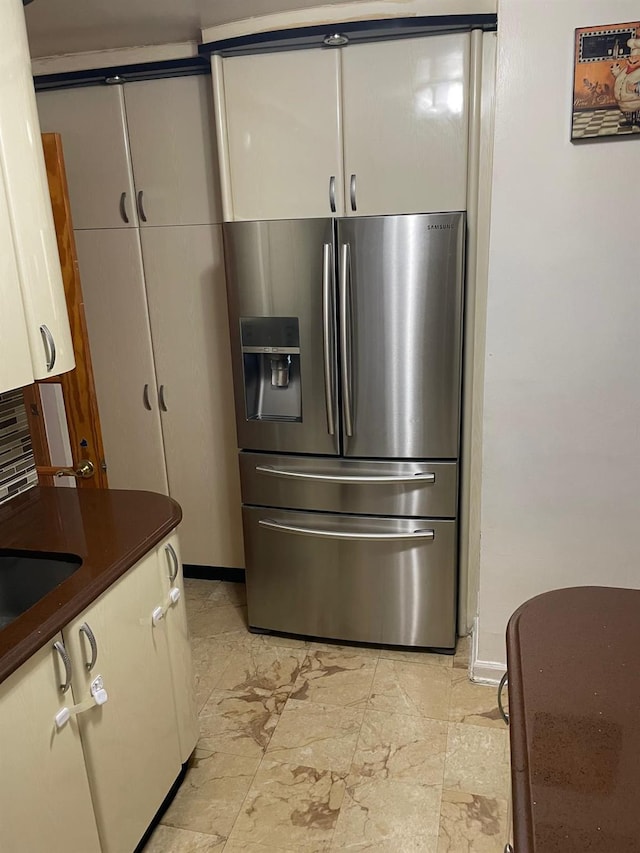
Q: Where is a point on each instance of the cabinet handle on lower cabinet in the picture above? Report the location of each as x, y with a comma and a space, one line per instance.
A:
86, 630
49, 347
172, 559
508, 848
504, 681
66, 660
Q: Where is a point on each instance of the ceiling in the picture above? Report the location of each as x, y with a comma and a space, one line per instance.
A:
71, 26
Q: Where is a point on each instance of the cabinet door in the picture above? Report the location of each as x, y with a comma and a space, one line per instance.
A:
15, 358
45, 803
184, 270
25, 183
179, 647
405, 125
112, 276
130, 743
283, 126
93, 127
173, 151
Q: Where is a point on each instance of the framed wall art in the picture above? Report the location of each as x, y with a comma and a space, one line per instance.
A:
606, 82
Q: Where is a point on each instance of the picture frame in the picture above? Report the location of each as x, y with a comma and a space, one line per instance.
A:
606, 82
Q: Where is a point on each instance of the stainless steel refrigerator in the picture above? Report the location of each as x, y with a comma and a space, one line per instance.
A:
346, 340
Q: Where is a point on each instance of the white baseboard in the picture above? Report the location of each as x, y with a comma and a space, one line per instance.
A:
483, 671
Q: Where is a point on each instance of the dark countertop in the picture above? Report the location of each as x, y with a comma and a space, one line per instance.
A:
574, 702
109, 529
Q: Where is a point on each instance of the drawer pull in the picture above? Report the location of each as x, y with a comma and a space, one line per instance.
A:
351, 535
337, 478
504, 681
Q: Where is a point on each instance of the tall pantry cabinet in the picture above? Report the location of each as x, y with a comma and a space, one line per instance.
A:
141, 167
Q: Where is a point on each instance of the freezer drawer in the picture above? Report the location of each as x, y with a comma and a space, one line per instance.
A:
418, 489
374, 580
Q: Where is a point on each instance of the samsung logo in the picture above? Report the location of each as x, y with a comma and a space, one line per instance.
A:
444, 227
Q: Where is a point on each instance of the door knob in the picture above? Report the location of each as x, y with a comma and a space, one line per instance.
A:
83, 471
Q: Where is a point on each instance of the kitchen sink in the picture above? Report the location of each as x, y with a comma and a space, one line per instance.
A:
27, 576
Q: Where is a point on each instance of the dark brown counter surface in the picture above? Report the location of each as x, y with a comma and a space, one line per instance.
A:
574, 702
109, 529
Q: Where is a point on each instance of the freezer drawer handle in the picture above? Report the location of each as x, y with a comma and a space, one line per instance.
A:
352, 536
336, 478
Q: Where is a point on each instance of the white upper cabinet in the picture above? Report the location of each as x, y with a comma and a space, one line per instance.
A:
29, 206
93, 127
283, 129
15, 357
388, 120
173, 151
137, 154
405, 125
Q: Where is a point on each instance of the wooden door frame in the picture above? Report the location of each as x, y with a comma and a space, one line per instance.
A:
78, 386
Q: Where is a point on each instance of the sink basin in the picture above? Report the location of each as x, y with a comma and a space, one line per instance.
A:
27, 576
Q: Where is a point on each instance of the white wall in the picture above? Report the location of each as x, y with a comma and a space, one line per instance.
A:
561, 458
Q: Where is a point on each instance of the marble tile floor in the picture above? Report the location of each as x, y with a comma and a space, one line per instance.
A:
313, 748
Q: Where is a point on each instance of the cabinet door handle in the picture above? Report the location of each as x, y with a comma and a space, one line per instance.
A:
172, 559
352, 192
66, 660
145, 398
332, 193
504, 681
49, 347
161, 400
143, 215
123, 208
86, 630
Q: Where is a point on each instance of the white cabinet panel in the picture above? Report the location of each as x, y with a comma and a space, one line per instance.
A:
117, 320
405, 124
45, 803
93, 127
25, 183
184, 270
15, 357
130, 743
170, 564
283, 126
173, 150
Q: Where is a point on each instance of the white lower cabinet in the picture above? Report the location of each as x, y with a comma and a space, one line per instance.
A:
130, 743
179, 645
95, 782
45, 802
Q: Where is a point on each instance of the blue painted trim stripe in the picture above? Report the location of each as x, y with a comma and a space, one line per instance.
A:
358, 31
139, 71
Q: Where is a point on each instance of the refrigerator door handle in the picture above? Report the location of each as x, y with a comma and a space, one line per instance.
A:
334, 478
328, 336
345, 337
352, 536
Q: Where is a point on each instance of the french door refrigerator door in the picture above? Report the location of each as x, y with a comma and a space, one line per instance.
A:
400, 307
360, 578
281, 290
